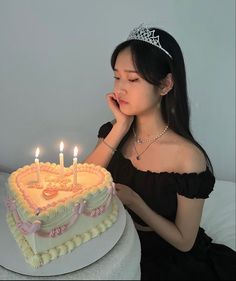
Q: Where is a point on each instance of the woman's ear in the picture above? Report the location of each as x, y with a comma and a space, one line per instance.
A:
167, 84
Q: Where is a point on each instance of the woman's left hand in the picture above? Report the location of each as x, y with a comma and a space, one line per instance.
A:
127, 196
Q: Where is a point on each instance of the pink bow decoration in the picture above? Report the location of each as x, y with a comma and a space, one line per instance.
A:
29, 228
10, 204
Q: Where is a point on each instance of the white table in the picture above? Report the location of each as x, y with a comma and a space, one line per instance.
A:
122, 262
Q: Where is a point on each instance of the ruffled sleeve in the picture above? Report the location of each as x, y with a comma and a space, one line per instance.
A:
193, 185
105, 130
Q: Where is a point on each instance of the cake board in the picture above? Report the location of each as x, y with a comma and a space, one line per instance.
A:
77, 259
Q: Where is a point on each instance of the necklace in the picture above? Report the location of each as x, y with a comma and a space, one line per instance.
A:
140, 141
151, 141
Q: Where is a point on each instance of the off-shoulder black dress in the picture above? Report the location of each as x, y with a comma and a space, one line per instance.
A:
159, 259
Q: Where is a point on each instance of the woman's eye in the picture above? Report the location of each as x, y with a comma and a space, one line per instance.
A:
130, 80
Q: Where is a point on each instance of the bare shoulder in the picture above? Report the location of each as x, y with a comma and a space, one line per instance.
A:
194, 160
191, 158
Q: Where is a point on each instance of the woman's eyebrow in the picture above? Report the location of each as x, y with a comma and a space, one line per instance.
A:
127, 70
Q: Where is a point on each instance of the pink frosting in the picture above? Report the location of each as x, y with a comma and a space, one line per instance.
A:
24, 227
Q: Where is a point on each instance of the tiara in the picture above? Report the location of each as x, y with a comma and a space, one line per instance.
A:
144, 34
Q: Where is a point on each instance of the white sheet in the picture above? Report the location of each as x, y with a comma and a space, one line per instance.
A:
218, 217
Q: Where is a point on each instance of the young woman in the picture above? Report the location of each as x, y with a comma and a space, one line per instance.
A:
162, 174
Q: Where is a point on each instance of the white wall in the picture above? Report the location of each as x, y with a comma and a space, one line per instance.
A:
55, 71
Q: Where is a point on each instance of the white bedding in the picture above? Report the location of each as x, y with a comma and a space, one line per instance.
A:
218, 218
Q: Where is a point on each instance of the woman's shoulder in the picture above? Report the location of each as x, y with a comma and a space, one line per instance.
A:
105, 128
193, 159
190, 158
194, 178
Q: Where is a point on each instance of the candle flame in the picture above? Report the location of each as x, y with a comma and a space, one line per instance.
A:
37, 152
75, 151
61, 146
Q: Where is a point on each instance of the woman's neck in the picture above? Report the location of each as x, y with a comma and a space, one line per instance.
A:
149, 125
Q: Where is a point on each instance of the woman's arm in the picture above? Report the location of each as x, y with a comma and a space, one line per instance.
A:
105, 148
182, 233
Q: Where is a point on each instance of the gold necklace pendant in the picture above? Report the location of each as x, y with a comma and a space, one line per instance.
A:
138, 155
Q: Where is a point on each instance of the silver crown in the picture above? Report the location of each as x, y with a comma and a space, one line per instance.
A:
144, 34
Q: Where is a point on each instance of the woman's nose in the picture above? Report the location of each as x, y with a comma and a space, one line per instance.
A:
120, 86
119, 92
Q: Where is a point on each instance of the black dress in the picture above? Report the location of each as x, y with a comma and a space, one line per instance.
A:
159, 259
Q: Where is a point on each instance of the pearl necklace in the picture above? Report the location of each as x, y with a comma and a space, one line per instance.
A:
140, 141
151, 141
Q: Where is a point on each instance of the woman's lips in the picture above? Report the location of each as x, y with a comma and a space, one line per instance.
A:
122, 101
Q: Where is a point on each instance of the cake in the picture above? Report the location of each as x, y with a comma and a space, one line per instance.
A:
51, 217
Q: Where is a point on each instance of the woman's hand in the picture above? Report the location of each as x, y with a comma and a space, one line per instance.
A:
123, 121
127, 196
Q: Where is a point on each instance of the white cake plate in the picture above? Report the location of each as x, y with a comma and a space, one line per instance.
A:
87, 253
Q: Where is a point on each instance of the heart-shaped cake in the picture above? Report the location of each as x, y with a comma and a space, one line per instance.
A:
51, 216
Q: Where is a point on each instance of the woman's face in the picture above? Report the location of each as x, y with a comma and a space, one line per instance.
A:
134, 94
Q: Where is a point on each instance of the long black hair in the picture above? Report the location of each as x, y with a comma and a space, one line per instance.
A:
153, 64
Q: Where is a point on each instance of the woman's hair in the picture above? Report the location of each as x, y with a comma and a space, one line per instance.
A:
153, 64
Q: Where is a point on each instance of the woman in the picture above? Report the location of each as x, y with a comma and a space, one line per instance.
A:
162, 174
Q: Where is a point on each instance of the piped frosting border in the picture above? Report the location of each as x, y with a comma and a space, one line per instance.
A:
30, 212
37, 260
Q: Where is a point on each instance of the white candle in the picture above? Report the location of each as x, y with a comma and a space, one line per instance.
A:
75, 166
37, 164
61, 159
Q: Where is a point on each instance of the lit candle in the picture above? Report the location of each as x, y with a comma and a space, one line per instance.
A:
61, 159
75, 166
37, 164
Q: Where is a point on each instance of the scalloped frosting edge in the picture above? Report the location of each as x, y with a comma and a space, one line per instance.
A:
40, 259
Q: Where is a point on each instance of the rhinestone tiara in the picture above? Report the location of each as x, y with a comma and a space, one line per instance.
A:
143, 33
